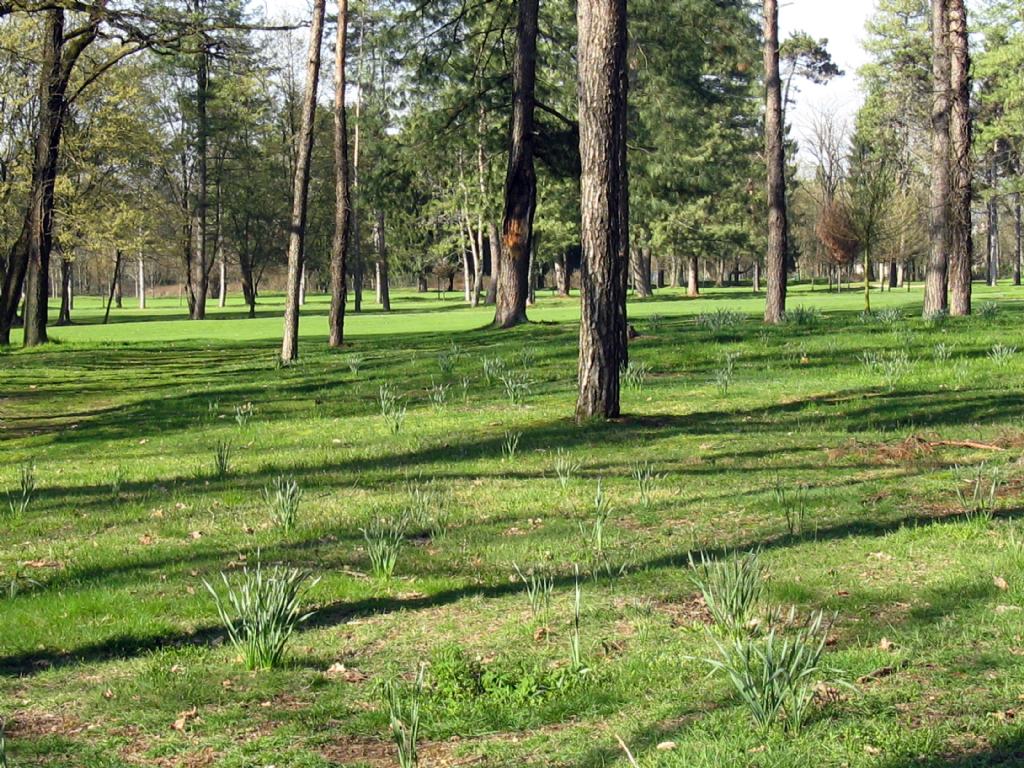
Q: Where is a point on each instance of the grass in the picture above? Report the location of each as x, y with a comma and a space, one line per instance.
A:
112, 653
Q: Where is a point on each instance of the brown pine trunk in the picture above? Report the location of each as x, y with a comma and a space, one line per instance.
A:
300, 191
562, 274
383, 286
604, 187
113, 284
13, 281
935, 293
495, 246
961, 242
64, 316
342, 205
693, 277
1017, 238
642, 272
521, 181
200, 277
993, 231
775, 154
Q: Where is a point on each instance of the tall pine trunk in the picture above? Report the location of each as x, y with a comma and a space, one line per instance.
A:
604, 199
140, 284
961, 242
342, 204
1016, 238
383, 283
64, 316
693, 276
775, 155
935, 294
521, 181
495, 247
199, 281
642, 272
300, 190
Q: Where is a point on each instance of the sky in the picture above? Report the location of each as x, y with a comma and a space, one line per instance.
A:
841, 21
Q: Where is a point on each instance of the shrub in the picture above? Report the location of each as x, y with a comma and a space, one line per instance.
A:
1000, 354
731, 588
392, 408
222, 458
354, 362
282, 498
805, 316
261, 611
719, 320
773, 674
510, 445
988, 310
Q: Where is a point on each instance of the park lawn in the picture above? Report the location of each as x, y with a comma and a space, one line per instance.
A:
109, 638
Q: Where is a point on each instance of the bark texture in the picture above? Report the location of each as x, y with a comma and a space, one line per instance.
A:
342, 190
521, 180
961, 242
935, 293
604, 186
300, 190
775, 155
383, 281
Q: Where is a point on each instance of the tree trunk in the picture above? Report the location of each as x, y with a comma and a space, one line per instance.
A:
604, 199
342, 191
140, 284
200, 277
64, 316
113, 284
13, 281
562, 274
894, 279
1016, 238
935, 294
642, 272
693, 277
521, 181
961, 242
118, 298
993, 233
478, 267
302, 284
495, 245
757, 275
300, 192
383, 286
775, 154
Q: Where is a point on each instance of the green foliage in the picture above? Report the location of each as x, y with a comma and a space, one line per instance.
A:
791, 504
646, 481
392, 408
731, 588
403, 707
977, 489
282, 498
539, 584
635, 375
261, 611
20, 500
566, 467
510, 445
222, 458
384, 537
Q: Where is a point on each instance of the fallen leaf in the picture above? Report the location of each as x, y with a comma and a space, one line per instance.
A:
349, 675
1000, 583
666, 746
872, 750
145, 539
886, 644
183, 719
108, 694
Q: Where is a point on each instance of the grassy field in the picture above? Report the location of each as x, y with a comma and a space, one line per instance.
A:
865, 431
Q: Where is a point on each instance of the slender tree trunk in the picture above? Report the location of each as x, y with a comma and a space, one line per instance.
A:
302, 285
693, 276
993, 233
13, 281
1016, 238
64, 316
297, 231
894, 279
961, 242
478, 267
383, 287
342, 192
113, 284
118, 299
936, 278
642, 272
562, 274
521, 181
775, 154
200, 278
140, 286
603, 79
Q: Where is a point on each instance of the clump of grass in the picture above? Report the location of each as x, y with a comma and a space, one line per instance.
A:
282, 498
774, 674
446, 364
517, 386
392, 408
403, 707
731, 587
889, 317
261, 611
354, 361
222, 458
791, 504
646, 481
593, 529
539, 585
1001, 354
961, 374
493, 368
116, 482
510, 445
438, 394
384, 537
566, 467
890, 366
20, 500
803, 316
527, 357
576, 663
726, 373
635, 375
244, 413
988, 310
654, 322
937, 319
942, 352
16, 581
719, 320
977, 489
465, 382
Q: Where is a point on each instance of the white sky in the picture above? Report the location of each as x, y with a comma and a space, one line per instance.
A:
841, 21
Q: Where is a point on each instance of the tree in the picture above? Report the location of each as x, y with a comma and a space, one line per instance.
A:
521, 180
775, 156
342, 205
603, 79
961, 243
300, 188
936, 298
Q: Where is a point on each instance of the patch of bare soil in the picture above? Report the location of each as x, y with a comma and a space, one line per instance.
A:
352, 750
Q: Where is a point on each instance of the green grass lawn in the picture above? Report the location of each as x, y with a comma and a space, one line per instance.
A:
111, 653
